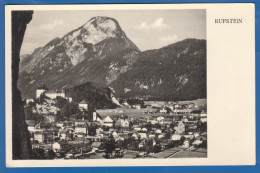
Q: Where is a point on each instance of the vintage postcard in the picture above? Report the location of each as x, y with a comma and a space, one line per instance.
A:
130, 85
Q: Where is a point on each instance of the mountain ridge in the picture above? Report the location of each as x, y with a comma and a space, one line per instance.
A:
100, 52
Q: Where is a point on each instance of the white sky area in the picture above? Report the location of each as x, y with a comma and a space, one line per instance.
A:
148, 29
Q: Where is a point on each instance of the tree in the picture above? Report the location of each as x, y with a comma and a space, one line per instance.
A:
110, 145
148, 126
157, 126
135, 102
149, 146
38, 153
131, 125
157, 148
168, 135
50, 154
92, 129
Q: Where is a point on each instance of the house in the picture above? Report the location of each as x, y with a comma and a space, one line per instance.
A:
29, 101
203, 114
176, 137
196, 142
135, 135
108, 121
203, 119
122, 123
160, 118
142, 134
119, 138
98, 118
163, 111
39, 136
137, 128
186, 143
30, 125
99, 130
182, 110
142, 143
160, 136
171, 107
55, 94
40, 90
59, 124
80, 122
167, 121
81, 129
144, 129
180, 129
151, 135
63, 134
158, 131
83, 105
97, 146
41, 125
69, 99
114, 134
60, 145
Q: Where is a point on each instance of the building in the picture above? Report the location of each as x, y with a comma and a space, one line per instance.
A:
31, 125
55, 94
40, 91
60, 124
135, 135
29, 101
160, 119
176, 137
163, 111
80, 122
51, 94
60, 145
63, 135
83, 105
97, 146
39, 136
186, 143
114, 134
142, 134
180, 129
94, 118
108, 122
69, 99
122, 123
81, 129
142, 144
138, 106
158, 131
182, 111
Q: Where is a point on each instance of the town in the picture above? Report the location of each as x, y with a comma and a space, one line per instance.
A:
63, 129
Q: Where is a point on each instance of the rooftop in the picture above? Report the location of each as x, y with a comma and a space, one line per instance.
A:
83, 102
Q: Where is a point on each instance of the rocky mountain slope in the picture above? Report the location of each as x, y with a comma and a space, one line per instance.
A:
84, 54
174, 72
100, 52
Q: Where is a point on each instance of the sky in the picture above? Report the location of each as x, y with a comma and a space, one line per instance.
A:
148, 29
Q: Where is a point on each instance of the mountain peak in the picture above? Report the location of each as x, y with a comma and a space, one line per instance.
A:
100, 28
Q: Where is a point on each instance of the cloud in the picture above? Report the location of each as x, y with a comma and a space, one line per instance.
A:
52, 25
28, 47
157, 24
169, 39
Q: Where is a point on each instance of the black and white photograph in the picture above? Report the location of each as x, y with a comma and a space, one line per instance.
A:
109, 84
